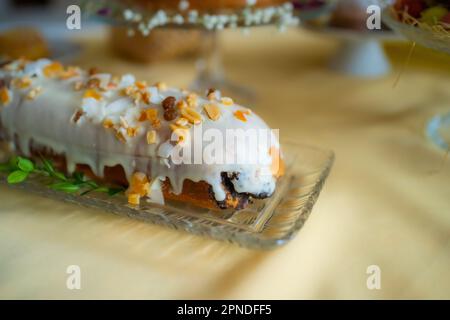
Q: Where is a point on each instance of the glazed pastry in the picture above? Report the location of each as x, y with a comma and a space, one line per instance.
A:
146, 15
350, 14
205, 5
124, 131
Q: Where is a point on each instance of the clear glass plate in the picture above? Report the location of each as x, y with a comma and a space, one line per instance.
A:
264, 224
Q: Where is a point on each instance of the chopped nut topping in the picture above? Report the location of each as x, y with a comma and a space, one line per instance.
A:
227, 101
277, 166
5, 96
78, 85
156, 123
76, 116
136, 96
128, 91
53, 69
193, 116
22, 83
139, 184
33, 93
181, 104
182, 134
120, 136
161, 86
192, 100
93, 83
134, 198
183, 123
123, 122
70, 72
211, 94
151, 136
146, 97
108, 124
91, 93
152, 114
141, 85
212, 111
111, 85
132, 131
148, 114
241, 114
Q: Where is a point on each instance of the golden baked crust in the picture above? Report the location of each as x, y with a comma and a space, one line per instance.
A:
196, 193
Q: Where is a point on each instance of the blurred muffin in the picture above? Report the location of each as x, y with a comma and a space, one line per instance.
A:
25, 42
350, 14
159, 45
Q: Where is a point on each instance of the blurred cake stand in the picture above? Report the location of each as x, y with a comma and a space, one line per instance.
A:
438, 127
360, 53
210, 69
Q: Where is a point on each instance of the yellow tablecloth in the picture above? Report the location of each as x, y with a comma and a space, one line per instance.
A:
386, 203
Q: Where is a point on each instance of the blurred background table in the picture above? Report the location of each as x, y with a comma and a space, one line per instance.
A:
385, 203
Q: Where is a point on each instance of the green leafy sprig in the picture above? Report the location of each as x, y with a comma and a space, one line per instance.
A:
20, 168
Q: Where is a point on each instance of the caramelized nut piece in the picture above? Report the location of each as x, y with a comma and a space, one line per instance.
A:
211, 94
239, 114
181, 134
91, 93
181, 104
192, 100
33, 93
120, 136
132, 131
212, 111
76, 116
22, 83
53, 69
123, 122
134, 198
78, 85
146, 97
139, 185
93, 83
182, 122
108, 124
151, 136
5, 96
227, 101
141, 85
70, 72
161, 86
193, 116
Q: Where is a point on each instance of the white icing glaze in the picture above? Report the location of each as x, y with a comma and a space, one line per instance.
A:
46, 120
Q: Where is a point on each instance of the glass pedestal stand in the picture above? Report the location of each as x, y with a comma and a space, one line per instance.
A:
211, 71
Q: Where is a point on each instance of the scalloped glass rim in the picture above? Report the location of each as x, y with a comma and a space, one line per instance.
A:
264, 224
422, 36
